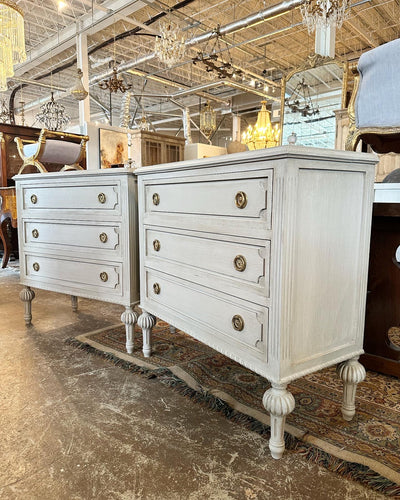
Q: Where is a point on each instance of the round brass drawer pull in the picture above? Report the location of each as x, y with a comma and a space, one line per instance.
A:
36, 266
240, 263
156, 245
104, 276
241, 199
238, 323
34, 199
103, 237
156, 199
102, 197
156, 288
35, 233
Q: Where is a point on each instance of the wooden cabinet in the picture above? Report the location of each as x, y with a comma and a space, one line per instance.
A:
382, 319
151, 148
10, 161
263, 256
78, 235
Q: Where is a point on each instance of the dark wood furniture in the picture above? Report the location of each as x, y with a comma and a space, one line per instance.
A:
8, 217
381, 344
10, 160
10, 163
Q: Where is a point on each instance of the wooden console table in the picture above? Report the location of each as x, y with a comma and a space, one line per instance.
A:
263, 256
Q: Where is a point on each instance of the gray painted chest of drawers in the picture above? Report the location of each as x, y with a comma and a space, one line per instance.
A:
263, 256
78, 235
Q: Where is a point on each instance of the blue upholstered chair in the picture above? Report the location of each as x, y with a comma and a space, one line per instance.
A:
374, 108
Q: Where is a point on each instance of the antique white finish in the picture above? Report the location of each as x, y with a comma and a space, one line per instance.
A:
78, 235
263, 256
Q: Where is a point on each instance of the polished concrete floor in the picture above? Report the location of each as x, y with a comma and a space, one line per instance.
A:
73, 426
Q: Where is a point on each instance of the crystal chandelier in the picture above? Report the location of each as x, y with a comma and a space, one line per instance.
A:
263, 134
208, 120
324, 13
144, 125
4, 113
12, 40
170, 46
209, 58
114, 83
52, 115
300, 100
78, 91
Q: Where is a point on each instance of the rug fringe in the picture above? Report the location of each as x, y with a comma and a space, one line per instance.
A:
349, 470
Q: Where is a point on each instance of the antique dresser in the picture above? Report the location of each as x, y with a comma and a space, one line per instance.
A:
263, 256
78, 235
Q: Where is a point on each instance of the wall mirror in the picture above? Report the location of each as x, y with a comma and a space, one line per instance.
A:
310, 96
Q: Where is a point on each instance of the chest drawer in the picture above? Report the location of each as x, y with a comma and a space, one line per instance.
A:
230, 320
239, 261
245, 198
101, 198
96, 277
79, 236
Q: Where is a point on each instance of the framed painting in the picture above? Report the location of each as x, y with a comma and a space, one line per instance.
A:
113, 147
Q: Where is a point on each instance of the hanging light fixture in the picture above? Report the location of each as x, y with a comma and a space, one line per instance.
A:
144, 125
208, 120
300, 100
170, 46
263, 134
78, 91
22, 112
4, 113
324, 13
12, 40
114, 83
213, 62
52, 115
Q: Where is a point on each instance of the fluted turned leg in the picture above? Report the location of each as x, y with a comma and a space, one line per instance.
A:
74, 303
172, 329
129, 317
278, 402
27, 295
352, 373
146, 322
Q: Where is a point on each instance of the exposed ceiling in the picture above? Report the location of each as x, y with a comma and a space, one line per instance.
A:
265, 39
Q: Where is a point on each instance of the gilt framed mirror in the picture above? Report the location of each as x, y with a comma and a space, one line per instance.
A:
310, 95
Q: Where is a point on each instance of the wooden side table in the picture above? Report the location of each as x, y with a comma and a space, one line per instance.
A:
8, 215
383, 297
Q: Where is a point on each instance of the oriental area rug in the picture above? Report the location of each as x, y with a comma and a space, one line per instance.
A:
366, 449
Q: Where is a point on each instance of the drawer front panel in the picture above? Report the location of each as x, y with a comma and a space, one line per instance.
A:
231, 321
72, 235
235, 198
104, 198
237, 260
91, 276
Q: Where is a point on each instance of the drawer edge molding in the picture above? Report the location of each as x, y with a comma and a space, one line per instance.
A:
262, 368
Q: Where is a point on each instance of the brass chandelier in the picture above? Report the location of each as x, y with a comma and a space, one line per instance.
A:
12, 40
114, 83
263, 134
208, 120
